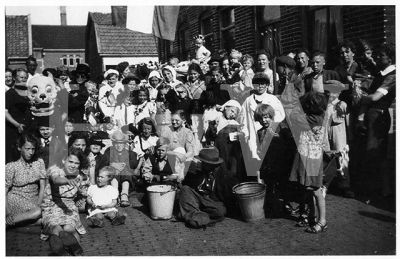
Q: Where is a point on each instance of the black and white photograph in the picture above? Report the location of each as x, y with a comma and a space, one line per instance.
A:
199, 130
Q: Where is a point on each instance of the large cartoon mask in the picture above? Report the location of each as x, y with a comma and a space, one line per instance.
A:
42, 95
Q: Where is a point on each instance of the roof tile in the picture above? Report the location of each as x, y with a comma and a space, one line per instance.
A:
62, 37
17, 38
118, 40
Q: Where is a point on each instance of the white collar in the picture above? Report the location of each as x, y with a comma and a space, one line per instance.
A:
388, 70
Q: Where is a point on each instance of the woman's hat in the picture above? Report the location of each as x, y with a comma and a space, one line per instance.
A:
155, 74
118, 136
111, 71
210, 156
95, 141
232, 103
82, 69
129, 78
122, 66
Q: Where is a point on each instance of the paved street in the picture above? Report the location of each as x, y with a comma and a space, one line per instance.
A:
355, 228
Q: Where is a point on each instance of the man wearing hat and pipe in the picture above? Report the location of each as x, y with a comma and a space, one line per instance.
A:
285, 66
199, 205
124, 161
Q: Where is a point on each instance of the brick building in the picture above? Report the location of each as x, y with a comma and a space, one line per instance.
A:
65, 47
278, 28
18, 40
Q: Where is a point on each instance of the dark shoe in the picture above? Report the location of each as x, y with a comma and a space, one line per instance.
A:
302, 222
317, 228
118, 220
95, 222
71, 244
347, 193
57, 246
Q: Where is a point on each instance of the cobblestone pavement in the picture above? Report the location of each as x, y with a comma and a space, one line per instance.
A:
355, 228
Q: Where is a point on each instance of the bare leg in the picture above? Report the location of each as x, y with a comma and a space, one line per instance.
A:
32, 214
114, 183
125, 187
320, 202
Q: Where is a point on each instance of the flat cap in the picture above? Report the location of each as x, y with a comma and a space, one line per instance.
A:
286, 61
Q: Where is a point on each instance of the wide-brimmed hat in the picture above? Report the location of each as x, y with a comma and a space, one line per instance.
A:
118, 136
82, 69
96, 141
210, 156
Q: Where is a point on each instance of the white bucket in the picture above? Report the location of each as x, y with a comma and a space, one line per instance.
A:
161, 201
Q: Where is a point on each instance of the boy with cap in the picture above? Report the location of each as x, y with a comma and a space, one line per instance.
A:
51, 148
199, 205
94, 156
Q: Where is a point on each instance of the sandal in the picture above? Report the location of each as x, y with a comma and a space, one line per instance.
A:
124, 203
317, 228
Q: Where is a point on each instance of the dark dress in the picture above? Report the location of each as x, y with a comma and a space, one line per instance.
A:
76, 104
19, 108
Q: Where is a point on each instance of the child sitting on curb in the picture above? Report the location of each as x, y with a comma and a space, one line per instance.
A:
102, 200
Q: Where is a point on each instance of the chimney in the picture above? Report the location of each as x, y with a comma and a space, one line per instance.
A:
118, 15
63, 15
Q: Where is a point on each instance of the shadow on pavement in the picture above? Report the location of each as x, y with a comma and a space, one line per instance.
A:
377, 216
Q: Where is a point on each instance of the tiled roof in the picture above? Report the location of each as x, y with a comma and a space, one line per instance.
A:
17, 36
101, 18
58, 37
118, 40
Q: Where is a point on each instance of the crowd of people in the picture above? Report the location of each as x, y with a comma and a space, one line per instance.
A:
203, 126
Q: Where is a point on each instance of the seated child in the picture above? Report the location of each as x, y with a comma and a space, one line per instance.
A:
94, 157
126, 164
102, 200
158, 168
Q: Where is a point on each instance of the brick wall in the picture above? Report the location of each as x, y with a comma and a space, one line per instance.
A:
291, 28
366, 22
389, 24
244, 28
373, 23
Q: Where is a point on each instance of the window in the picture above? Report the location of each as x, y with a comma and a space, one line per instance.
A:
206, 29
326, 30
71, 62
269, 29
64, 61
78, 61
183, 41
227, 27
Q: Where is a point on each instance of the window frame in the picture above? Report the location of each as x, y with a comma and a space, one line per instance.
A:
231, 26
